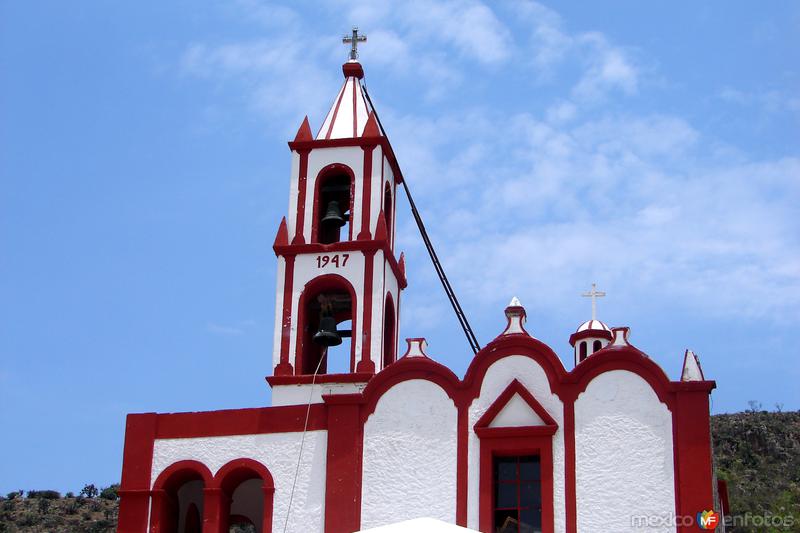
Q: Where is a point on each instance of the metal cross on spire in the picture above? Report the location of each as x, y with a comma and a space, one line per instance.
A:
594, 294
353, 41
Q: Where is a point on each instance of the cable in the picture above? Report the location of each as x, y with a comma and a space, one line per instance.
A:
303, 438
437, 265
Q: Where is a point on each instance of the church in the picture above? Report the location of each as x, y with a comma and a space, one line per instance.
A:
363, 434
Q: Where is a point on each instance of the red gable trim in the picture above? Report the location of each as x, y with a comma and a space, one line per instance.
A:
513, 389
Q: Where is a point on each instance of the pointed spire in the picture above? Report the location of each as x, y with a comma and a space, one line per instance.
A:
692, 371
401, 263
304, 132
282, 237
372, 129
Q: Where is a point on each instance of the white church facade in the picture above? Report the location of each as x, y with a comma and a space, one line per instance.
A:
360, 435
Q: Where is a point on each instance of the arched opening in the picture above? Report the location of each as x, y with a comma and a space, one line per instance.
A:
389, 324
582, 355
327, 322
596, 345
387, 210
333, 206
248, 489
178, 498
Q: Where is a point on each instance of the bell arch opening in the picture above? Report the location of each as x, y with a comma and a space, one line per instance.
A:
327, 322
387, 210
179, 498
389, 332
248, 490
333, 206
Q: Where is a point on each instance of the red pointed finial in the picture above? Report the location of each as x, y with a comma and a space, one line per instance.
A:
282, 238
372, 129
401, 263
304, 133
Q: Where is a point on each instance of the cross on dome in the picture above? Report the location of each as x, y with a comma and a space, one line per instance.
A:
594, 294
353, 41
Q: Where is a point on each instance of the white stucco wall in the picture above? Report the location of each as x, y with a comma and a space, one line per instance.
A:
532, 376
623, 454
410, 456
300, 394
279, 453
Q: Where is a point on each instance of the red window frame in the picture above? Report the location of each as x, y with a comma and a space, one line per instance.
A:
518, 482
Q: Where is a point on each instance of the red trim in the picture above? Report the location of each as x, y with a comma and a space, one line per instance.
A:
302, 185
339, 98
239, 422
353, 69
692, 442
231, 475
348, 246
355, 112
502, 444
366, 194
284, 367
590, 334
515, 388
352, 377
462, 466
137, 463
321, 283
363, 142
304, 131
366, 364
570, 487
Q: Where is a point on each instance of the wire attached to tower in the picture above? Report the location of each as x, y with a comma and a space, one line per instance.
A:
437, 265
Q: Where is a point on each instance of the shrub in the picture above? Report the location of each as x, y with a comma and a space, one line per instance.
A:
70, 495
110, 493
28, 519
44, 505
44, 494
90, 491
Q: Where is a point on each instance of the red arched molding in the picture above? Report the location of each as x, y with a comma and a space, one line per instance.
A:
582, 351
235, 472
389, 331
324, 283
164, 515
508, 345
329, 170
405, 369
621, 358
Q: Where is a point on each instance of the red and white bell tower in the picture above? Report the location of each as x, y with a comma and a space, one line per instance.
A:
338, 275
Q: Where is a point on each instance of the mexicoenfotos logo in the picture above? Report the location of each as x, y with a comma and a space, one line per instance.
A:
707, 520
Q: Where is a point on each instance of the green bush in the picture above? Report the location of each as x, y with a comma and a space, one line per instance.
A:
90, 491
110, 493
44, 494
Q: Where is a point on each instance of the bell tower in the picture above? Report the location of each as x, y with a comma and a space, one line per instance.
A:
339, 279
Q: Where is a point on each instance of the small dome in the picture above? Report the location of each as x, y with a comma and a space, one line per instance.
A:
593, 325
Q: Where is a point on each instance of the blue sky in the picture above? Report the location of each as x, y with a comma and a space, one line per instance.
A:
651, 147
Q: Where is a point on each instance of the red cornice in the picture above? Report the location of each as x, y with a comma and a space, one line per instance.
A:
305, 379
346, 246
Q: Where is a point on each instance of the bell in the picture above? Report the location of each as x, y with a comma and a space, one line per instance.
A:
333, 215
327, 334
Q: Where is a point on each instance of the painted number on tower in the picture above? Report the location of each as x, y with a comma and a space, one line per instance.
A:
338, 260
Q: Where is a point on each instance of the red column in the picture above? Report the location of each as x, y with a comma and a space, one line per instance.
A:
366, 196
163, 517
693, 454
302, 185
266, 522
284, 367
134, 503
570, 492
366, 364
462, 458
215, 510
343, 465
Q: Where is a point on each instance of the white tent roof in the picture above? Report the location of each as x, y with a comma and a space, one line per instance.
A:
420, 525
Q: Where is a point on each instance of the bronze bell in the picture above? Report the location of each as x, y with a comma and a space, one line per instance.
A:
327, 334
333, 215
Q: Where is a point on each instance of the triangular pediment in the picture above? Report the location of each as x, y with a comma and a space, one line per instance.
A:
516, 407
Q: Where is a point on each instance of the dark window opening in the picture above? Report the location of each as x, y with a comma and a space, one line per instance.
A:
597, 345
582, 351
327, 333
517, 494
333, 215
387, 211
388, 334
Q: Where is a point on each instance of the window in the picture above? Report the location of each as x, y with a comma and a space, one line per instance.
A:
597, 345
583, 351
517, 494
388, 332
